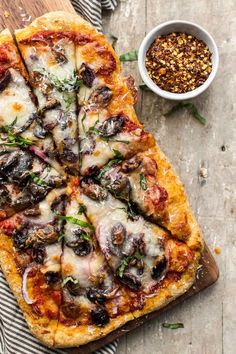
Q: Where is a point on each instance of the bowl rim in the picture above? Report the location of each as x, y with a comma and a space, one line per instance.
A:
171, 95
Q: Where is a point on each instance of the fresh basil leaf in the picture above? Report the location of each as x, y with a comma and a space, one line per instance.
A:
73, 220
37, 180
117, 154
173, 325
107, 167
82, 208
191, 107
143, 182
67, 279
60, 237
130, 56
124, 264
138, 256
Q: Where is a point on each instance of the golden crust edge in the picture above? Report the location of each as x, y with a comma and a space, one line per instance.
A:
42, 328
195, 241
74, 337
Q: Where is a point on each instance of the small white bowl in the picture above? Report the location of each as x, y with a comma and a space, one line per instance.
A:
177, 26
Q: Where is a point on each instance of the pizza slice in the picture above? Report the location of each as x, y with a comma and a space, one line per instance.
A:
143, 256
20, 122
93, 302
107, 119
149, 182
30, 259
48, 50
25, 179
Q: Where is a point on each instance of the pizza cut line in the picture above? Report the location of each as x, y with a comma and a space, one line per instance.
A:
96, 228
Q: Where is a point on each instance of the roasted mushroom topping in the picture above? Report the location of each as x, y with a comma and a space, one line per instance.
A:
111, 126
73, 287
82, 249
96, 296
35, 211
100, 97
119, 186
87, 74
40, 132
5, 80
30, 120
131, 165
20, 236
130, 280
52, 278
118, 234
59, 54
5, 198
160, 268
92, 190
39, 254
42, 235
20, 170
100, 316
70, 309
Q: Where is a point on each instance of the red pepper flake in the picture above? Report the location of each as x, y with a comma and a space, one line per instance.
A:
178, 62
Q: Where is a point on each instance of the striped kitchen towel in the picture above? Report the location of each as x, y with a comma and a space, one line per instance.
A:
15, 337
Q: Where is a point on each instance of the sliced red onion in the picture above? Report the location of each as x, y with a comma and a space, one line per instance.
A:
38, 152
24, 290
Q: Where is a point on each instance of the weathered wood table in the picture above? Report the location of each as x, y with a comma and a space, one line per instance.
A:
210, 317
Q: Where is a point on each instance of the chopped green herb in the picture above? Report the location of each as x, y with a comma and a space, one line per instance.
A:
73, 220
143, 182
37, 180
12, 138
138, 255
191, 107
67, 279
107, 167
82, 208
130, 211
115, 140
93, 129
60, 237
118, 154
82, 122
69, 99
85, 237
4, 152
124, 264
130, 56
173, 325
62, 85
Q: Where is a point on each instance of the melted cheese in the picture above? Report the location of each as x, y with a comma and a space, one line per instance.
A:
15, 101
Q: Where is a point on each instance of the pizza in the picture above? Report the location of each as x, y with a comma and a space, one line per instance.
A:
96, 228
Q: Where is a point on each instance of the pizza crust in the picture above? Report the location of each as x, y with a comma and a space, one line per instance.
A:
42, 327
76, 336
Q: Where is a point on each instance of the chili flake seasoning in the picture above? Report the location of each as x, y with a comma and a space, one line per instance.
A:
178, 62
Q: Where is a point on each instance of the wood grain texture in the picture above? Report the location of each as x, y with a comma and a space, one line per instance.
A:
209, 318
20, 13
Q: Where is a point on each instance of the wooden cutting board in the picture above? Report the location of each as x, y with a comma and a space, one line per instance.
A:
19, 13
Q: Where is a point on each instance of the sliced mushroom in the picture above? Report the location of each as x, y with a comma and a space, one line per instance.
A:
42, 235
130, 280
89, 145
70, 309
111, 126
73, 287
5, 80
131, 164
92, 190
59, 54
119, 185
39, 254
160, 268
28, 123
100, 97
52, 278
87, 74
5, 198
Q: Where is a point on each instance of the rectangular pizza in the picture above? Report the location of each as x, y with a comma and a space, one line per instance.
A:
96, 229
